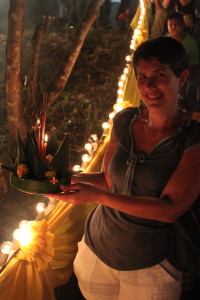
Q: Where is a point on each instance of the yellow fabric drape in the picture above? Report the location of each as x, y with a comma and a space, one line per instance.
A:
25, 276
66, 222
22, 278
134, 22
136, 17
131, 96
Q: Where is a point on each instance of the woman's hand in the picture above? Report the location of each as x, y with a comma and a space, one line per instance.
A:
78, 193
78, 177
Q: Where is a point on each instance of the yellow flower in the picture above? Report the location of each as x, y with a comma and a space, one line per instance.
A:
22, 170
50, 174
48, 158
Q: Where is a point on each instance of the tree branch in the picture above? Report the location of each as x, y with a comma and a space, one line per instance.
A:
57, 85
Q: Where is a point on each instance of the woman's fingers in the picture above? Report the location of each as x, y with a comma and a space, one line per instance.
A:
67, 190
76, 193
74, 187
56, 196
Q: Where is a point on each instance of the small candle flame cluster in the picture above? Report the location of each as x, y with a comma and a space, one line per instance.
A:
91, 147
21, 236
30, 240
139, 35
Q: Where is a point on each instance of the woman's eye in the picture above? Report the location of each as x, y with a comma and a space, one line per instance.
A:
141, 77
160, 75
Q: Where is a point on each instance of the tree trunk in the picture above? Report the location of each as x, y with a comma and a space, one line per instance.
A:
58, 83
13, 80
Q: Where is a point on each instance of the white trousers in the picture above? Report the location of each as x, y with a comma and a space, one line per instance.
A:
97, 281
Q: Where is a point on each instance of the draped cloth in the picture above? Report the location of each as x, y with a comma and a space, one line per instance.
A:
32, 272
26, 274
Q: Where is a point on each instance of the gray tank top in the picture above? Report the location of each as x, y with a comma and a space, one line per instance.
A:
122, 241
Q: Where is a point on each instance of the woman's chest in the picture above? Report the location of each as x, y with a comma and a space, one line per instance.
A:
145, 140
135, 172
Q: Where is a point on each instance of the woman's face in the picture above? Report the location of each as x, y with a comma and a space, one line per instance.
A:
157, 84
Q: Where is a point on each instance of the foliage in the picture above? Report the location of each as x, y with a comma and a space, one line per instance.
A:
92, 87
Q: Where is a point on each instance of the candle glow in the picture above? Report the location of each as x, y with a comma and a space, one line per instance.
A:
6, 247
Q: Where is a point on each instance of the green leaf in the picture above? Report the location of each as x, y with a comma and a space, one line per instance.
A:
20, 151
33, 135
60, 161
34, 161
11, 169
32, 186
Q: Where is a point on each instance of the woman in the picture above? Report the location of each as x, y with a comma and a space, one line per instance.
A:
152, 163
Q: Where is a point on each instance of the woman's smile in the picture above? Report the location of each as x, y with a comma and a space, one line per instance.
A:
153, 96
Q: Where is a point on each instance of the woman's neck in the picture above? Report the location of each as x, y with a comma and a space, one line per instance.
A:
162, 121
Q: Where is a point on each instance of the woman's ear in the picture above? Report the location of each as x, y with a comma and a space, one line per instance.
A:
183, 77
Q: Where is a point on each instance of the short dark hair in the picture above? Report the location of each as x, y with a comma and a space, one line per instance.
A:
165, 49
176, 15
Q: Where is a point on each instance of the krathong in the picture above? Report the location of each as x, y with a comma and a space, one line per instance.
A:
42, 165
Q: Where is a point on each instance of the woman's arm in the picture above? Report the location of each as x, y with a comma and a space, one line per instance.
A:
178, 196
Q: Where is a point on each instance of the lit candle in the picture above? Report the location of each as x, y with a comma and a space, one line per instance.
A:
15, 241
43, 118
23, 236
39, 135
40, 208
45, 145
6, 249
76, 168
23, 224
89, 148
